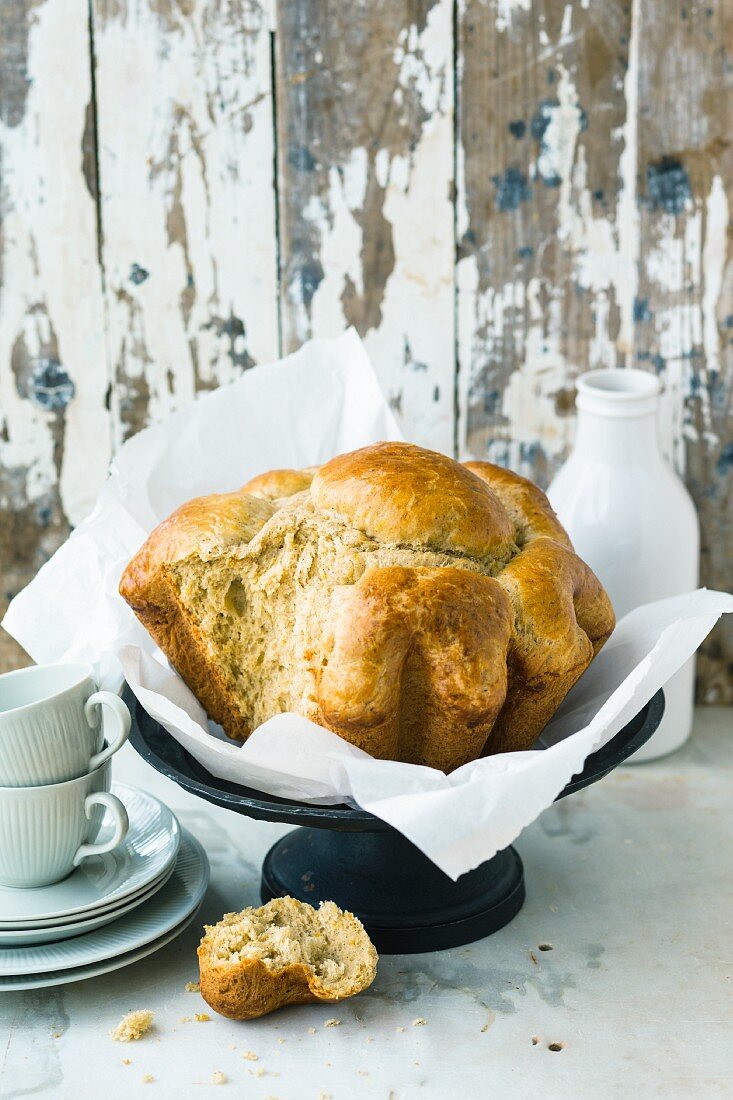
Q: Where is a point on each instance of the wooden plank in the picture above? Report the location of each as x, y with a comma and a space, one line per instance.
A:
365, 117
186, 151
54, 437
684, 304
547, 231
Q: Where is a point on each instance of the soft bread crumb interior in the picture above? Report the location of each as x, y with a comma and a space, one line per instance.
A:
132, 1026
285, 931
264, 609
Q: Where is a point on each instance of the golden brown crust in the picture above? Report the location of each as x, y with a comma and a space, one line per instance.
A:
159, 608
400, 493
562, 618
251, 989
435, 609
418, 666
528, 507
202, 527
253, 971
278, 484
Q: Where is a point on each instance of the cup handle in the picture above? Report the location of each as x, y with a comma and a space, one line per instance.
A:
120, 819
121, 720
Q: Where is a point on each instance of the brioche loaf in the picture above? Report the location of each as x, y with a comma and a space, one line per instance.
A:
426, 611
285, 952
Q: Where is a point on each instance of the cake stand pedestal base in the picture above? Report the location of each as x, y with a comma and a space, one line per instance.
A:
345, 854
403, 900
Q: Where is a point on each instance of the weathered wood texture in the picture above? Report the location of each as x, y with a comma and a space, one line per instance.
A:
593, 230
365, 109
187, 198
54, 427
497, 193
546, 251
684, 306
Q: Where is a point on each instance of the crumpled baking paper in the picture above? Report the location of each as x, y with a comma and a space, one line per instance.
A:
321, 401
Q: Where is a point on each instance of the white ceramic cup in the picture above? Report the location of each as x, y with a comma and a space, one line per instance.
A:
50, 724
45, 832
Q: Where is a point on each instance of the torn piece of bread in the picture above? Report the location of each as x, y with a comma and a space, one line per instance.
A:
132, 1026
285, 952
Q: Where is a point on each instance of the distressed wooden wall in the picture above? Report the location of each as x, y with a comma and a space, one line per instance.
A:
499, 194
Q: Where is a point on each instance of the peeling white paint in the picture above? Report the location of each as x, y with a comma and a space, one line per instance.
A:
417, 312
412, 348
686, 263
567, 22
665, 259
529, 400
471, 309
557, 152
506, 9
49, 264
627, 210
186, 158
713, 265
342, 240
605, 252
418, 307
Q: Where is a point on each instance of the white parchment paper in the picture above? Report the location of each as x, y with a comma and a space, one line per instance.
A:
321, 401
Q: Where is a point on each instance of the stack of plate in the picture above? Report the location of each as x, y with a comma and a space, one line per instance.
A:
113, 910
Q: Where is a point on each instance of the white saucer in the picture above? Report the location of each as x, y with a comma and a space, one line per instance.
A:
51, 933
180, 897
172, 904
106, 881
81, 973
99, 911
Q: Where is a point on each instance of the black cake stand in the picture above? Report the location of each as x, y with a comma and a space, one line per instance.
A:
343, 854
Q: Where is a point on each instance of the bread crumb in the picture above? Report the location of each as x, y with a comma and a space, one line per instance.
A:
192, 987
251, 1056
202, 1017
333, 1022
363, 1072
399, 1029
370, 1038
127, 1061
56, 1034
324, 1096
185, 1019
535, 1040
132, 1026
218, 1078
419, 1022
259, 1072
281, 1040
311, 1031
148, 1078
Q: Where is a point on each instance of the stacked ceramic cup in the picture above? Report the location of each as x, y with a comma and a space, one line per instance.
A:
55, 774
76, 858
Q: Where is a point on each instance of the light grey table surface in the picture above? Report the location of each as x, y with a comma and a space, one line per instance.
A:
630, 882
